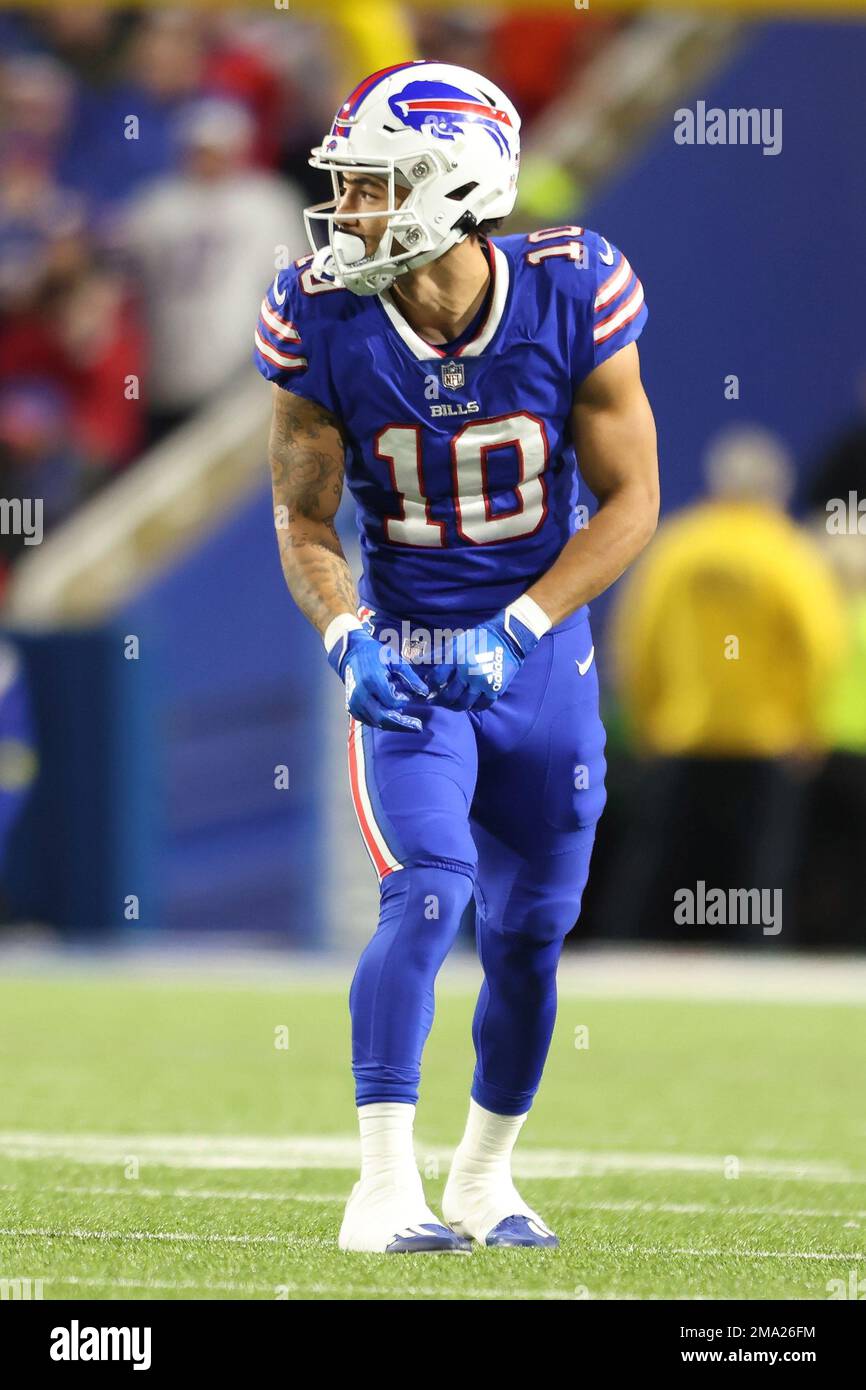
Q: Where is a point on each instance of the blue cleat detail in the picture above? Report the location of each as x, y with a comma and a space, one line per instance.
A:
521, 1231
428, 1239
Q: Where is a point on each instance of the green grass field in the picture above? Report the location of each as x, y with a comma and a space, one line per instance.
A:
156, 1143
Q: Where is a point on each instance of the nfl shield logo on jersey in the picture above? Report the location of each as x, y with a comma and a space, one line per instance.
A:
453, 375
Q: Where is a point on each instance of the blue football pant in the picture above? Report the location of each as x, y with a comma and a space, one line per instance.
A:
502, 803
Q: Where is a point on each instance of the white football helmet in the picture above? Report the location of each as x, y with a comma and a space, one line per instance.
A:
444, 133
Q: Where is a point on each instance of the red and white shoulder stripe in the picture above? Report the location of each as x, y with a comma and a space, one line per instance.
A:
276, 335
618, 301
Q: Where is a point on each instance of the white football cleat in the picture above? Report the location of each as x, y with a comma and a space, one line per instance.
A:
488, 1208
387, 1219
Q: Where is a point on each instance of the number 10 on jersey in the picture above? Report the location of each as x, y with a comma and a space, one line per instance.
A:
473, 481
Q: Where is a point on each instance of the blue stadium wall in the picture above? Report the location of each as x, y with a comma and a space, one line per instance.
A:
158, 774
751, 263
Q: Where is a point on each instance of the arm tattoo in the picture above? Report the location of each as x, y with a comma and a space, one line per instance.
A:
307, 449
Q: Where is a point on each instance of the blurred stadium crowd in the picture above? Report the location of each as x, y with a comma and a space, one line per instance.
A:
150, 164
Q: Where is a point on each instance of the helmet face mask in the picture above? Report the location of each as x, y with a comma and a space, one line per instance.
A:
443, 133
402, 240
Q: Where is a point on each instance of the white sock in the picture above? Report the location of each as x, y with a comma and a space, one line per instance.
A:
487, 1140
387, 1151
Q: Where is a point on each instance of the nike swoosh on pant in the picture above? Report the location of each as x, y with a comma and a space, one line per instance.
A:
583, 666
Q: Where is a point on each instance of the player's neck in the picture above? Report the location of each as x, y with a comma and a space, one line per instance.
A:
440, 299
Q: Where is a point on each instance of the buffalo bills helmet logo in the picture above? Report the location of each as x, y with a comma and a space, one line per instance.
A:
444, 111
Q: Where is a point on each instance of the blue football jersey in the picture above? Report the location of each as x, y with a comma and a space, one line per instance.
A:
461, 465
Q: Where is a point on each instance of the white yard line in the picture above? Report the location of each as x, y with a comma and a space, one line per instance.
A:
227, 1152
172, 1285
704, 1209
133, 1188
194, 1237
346, 1289
589, 1246
734, 1253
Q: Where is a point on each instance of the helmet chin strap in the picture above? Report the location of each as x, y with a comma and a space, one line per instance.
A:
352, 251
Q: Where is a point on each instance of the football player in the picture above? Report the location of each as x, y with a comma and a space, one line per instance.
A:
456, 377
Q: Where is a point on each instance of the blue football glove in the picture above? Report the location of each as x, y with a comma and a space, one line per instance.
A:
377, 681
489, 658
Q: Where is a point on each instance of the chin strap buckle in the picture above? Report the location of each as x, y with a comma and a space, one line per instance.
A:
322, 265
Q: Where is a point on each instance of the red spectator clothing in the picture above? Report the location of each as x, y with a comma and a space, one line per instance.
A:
535, 56
27, 349
239, 74
107, 428
108, 421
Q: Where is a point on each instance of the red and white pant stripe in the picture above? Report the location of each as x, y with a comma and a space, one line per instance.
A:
384, 861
